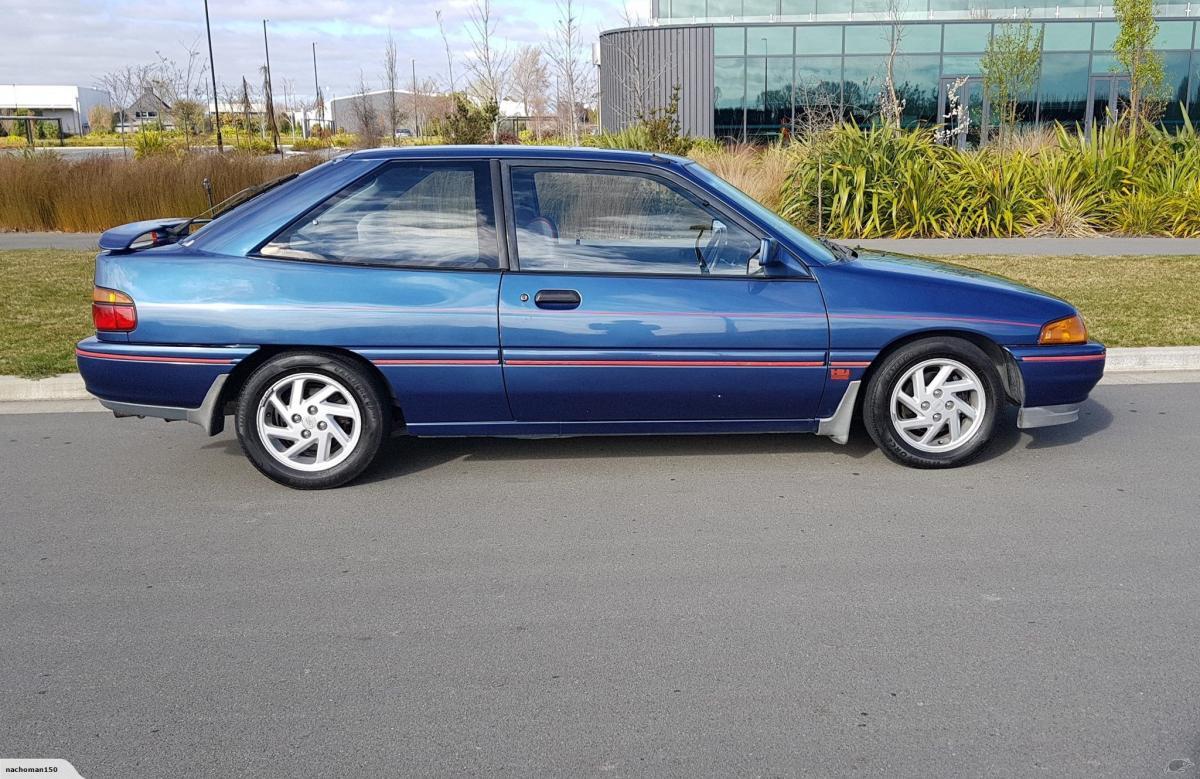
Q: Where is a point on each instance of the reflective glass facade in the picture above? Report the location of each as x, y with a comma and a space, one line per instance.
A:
751, 68
766, 76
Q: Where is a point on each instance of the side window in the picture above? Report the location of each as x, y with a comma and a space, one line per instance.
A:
408, 214
574, 220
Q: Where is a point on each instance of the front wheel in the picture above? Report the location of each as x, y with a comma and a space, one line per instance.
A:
933, 403
310, 421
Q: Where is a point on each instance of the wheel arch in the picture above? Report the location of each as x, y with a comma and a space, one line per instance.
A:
1004, 363
243, 370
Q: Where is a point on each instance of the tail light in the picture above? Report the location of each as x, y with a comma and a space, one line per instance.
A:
112, 310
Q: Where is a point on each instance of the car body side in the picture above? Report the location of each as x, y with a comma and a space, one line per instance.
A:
209, 310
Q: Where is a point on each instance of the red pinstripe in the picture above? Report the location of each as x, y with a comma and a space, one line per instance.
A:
1065, 358
670, 363
152, 358
436, 362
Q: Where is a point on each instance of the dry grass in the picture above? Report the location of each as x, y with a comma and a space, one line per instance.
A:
760, 173
47, 192
1128, 301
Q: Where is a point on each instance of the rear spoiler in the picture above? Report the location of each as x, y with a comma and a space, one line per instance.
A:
141, 235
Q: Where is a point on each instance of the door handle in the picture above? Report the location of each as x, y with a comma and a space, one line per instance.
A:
557, 299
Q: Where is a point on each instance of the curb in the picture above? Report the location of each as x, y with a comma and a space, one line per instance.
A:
1145, 359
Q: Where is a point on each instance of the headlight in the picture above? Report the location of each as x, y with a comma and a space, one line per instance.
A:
1068, 330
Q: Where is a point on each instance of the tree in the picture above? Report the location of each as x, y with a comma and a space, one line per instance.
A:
100, 118
489, 63
1147, 81
184, 88
641, 84
1010, 70
124, 86
365, 115
891, 105
470, 123
391, 82
446, 44
663, 129
269, 108
531, 81
571, 68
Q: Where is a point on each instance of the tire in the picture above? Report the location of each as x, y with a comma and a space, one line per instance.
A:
925, 426
346, 430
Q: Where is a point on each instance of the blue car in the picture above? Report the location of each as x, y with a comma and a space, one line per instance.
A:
519, 291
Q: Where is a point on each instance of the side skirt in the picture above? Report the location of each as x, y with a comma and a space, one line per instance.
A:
618, 427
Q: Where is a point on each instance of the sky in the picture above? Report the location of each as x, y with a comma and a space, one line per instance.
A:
77, 41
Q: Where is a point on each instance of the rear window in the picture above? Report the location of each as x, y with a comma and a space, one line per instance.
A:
405, 214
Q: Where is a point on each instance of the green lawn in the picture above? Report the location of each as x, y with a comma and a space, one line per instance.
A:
1128, 301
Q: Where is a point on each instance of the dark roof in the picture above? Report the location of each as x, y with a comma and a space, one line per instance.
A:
513, 151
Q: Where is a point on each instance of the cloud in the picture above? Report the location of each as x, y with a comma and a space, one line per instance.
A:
75, 42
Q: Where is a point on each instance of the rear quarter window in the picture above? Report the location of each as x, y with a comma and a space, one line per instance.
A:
406, 214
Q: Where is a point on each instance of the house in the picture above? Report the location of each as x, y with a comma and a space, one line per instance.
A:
148, 109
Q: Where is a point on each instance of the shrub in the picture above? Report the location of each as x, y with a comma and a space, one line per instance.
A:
152, 143
310, 144
886, 182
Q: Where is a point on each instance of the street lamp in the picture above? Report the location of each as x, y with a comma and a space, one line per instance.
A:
212, 69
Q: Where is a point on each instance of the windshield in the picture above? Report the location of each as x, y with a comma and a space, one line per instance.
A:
772, 220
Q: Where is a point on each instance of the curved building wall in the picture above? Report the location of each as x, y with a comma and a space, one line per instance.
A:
753, 79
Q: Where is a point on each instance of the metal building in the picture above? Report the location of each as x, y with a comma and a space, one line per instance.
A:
70, 104
751, 68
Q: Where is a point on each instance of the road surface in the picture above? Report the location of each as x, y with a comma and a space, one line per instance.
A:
758, 605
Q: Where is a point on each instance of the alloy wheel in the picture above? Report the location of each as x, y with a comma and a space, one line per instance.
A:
938, 405
308, 422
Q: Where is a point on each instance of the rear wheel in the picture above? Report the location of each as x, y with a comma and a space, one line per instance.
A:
933, 403
310, 421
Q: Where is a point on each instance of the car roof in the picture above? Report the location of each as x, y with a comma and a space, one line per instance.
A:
503, 151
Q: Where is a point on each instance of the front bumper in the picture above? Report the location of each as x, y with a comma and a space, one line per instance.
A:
1055, 380
1047, 416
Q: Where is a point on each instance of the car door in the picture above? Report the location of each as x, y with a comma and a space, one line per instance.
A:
635, 297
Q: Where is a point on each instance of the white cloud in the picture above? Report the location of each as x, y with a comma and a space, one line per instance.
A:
75, 42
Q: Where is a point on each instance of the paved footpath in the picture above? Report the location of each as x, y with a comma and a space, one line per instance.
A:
668, 606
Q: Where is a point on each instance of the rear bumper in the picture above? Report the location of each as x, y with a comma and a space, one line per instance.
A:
168, 382
207, 415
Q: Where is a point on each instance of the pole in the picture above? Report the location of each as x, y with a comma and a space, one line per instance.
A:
320, 104
212, 69
270, 107
416, 124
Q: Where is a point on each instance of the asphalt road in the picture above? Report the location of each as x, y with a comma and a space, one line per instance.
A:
760, 605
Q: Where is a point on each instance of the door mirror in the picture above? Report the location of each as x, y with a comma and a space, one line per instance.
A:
767, 254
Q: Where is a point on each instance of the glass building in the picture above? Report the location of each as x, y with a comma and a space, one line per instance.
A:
750, 68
